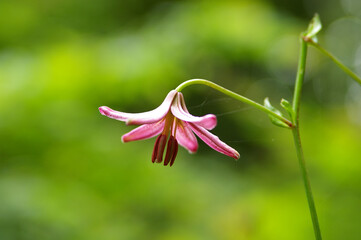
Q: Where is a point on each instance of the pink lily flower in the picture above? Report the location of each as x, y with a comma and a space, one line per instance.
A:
171, 118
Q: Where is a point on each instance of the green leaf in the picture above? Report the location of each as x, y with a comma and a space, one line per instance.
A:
287, 106
274, 120
314, 27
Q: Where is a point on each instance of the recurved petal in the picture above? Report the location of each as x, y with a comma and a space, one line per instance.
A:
180, 111
186, 137
144, 132
213, 141
141, 118
107, 111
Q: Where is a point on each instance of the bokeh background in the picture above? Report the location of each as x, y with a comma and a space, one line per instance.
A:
64, 173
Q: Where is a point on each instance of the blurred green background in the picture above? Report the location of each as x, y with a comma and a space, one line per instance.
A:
64, 173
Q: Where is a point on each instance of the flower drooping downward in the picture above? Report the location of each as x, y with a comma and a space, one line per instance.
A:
171, 119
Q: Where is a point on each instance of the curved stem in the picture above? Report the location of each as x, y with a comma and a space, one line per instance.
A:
297, 139
334, 59
233, 95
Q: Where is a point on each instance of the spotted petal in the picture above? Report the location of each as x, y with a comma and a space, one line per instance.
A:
144, 132
213, 141
141, 118
186, 138
180, 111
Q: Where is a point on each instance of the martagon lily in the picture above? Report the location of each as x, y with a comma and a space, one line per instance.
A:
171, 118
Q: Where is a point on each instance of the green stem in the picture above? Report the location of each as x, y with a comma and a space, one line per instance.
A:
299, 81
334, 59
306, 183
297, 139
233, 95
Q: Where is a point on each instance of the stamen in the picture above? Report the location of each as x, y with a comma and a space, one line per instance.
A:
175, 151
168, 123
158, 151
155, 149
174, 126
161, 146
161, 141
170, 150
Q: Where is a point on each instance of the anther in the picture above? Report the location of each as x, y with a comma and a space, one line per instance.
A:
172, 150
155, 149
160, 149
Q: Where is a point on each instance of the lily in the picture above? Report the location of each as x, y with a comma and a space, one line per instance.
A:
171, 119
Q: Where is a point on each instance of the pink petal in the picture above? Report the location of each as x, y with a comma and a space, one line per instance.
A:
107, 111
213, 141
144, 132
186, 137
180, 111
141, 118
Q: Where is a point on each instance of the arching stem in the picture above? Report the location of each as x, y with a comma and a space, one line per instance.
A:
235, 96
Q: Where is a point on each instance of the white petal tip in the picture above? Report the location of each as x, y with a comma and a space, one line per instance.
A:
191, 148
129, 122
103, 110
235, 155
211, 121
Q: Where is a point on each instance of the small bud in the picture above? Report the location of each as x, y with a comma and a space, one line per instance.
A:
274, 120
287, 106
314, 27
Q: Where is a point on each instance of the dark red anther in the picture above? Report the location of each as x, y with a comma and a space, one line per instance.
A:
155, 149
160, 150
170, 150
175, 151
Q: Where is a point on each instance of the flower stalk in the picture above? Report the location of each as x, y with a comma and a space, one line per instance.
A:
235, 96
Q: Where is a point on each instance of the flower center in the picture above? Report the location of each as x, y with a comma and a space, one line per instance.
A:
170, 127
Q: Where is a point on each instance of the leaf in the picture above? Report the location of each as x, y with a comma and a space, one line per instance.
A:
274, 120
314, 27
287, 106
